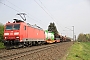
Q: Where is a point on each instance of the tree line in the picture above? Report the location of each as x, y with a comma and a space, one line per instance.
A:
83, 37
1, 31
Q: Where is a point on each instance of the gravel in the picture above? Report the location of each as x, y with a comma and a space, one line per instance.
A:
56, 53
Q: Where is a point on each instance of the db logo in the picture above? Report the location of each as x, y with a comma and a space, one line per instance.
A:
11, 33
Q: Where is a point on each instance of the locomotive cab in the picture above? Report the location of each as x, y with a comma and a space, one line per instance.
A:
12, 33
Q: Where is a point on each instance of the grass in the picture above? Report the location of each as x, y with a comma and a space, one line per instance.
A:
79, 51
1, 45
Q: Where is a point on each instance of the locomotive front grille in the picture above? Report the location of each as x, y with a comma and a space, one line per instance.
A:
11, 37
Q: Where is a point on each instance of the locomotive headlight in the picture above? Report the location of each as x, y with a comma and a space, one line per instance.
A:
17, 37
5, 37
16, 33
6, 33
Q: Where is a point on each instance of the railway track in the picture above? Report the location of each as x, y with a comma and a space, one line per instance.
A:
17, 53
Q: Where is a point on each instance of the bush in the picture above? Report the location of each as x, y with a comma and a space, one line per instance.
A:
2, 45
1, 31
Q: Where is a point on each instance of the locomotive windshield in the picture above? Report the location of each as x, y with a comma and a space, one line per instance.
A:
16, 26
9, 27
13, 27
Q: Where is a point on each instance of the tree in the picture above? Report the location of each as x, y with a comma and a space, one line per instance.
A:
52, 28
1, 31
83, 37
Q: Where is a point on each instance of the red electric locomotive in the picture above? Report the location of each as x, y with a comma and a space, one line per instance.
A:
19, 34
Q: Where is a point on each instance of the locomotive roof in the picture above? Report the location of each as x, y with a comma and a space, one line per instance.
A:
34, 26
18, 21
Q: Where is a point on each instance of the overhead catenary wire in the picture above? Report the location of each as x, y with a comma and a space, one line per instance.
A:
27, 15
34, 18
9, 7
17, 7
17, 10
51, 14
43, 9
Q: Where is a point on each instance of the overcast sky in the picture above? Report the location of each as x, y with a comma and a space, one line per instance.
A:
64, 13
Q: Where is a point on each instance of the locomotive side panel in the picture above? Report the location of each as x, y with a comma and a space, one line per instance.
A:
38, 34
30, 31
23, 31
34, 34
42, 34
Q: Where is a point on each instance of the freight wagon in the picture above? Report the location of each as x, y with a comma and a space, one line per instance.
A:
49, 36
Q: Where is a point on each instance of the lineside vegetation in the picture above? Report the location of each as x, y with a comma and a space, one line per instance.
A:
2, 45
1, 35
83, 37
79, 51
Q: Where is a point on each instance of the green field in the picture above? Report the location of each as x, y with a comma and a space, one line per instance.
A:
79, 51
1, 45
